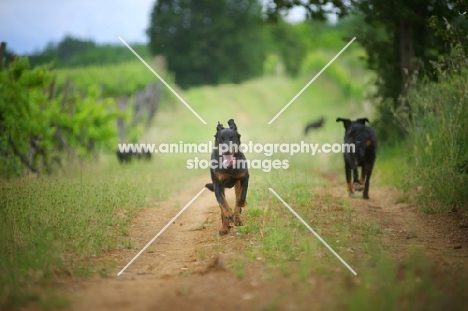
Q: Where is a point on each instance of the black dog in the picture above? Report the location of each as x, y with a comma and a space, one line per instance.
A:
314, 125
358, 184
364, 140
228, 169
126, 156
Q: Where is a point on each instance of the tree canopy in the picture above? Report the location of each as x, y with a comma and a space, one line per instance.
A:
78, 52
208, 42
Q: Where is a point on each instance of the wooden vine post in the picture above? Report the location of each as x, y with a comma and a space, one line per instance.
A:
2, 54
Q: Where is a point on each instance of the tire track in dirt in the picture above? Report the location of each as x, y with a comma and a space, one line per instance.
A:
175, 249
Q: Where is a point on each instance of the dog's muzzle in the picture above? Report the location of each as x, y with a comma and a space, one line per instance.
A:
228, 160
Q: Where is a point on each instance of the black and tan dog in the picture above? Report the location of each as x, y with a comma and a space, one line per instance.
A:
364, 140
228, 169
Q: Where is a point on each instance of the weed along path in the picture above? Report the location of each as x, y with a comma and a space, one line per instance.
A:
190, 267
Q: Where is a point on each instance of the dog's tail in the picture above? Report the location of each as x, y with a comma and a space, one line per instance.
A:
210, 186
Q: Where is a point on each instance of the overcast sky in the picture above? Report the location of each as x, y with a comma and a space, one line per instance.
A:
28, 25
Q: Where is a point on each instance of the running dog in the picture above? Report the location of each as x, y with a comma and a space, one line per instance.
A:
228, 169
364, 140
314, 125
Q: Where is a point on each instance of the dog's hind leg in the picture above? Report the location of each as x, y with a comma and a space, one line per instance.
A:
368, 171
348, 170
226, 211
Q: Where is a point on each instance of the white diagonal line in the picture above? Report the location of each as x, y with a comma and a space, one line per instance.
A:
162, 80
160, 232
311, 230
310, 82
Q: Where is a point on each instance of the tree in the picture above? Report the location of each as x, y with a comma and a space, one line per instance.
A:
208, 42
410, 46
70, 47
397, 39
454, 32
76, 52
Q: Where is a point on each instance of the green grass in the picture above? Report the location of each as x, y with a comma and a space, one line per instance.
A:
49, 225
388, 159
52, 225
284, 241
410, 285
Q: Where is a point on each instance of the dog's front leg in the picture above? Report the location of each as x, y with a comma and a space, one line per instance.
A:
358, 184
244, 185
368, 171
355, 175
363, 175
348, 170
226, 211
241, 193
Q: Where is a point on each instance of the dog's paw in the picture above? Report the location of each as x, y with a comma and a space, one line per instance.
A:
358, 187
229, 216
237, 221
223, 232
354, 195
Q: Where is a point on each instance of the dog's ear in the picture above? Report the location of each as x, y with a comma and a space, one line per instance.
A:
342, 120
346, 122
362, 121
218, 128
232, 125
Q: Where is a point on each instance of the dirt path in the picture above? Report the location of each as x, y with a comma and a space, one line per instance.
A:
184, 269
404, 227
